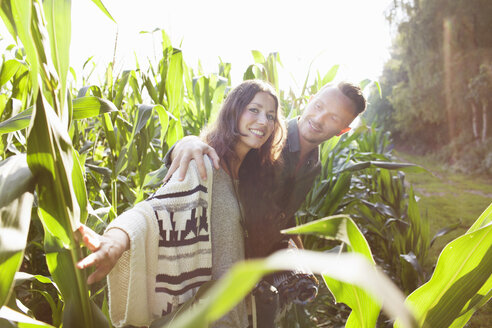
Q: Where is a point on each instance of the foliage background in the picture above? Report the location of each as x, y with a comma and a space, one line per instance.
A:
436, 86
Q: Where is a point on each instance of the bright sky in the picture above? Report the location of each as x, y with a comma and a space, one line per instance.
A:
352, 33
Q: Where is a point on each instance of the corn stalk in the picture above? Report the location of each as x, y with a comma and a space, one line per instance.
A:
44, 31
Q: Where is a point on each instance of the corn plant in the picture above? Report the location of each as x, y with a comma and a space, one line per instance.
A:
264, 68
205, 95
399, 235
461, 282
53, 165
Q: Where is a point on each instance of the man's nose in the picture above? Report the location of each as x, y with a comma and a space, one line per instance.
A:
321, 117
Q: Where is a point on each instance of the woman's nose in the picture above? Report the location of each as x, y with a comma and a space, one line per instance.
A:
262, 118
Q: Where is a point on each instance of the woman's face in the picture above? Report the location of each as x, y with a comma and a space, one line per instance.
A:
256, 123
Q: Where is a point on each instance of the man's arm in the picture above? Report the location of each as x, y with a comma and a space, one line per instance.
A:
187, 149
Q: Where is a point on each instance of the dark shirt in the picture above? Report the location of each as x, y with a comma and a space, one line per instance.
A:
295, 185
271, 200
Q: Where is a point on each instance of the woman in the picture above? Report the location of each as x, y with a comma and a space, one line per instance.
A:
189, 232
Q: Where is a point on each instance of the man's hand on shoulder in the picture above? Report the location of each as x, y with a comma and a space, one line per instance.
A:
187, 149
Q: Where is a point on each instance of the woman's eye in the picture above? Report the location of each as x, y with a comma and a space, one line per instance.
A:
253, 110
270, 117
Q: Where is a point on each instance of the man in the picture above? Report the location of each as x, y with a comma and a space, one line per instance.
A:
328, 113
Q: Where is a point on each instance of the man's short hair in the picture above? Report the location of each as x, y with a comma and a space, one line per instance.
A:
354, 93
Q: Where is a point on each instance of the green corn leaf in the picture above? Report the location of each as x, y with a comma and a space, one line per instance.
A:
135, 87
234, 286
21, 320
163, 120
174, 83
143, 115
364, 83
166, 41
217, 98
444, 231
384, 165
332, 200
79, 311
94, 89
16, 198
9, 68
79, 186
21, 277
330, 76
53, 176
379, 89
462, 279
110, 132
83, 107
50, 158
154, 178
8, 17
365, 309
174, 94
90, 106
150, 89
22, 14
174, 133
3, 103
483, 220
58, 23
17, 122
271, 69
258, 57
336, 227
206, 96
103, 9
120, 88
249, 74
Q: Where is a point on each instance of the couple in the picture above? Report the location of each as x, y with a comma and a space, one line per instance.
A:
202, 221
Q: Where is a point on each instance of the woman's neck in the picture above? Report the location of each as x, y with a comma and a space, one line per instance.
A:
232, 165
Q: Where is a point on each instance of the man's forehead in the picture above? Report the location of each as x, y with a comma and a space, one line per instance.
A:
334, 96
328, 93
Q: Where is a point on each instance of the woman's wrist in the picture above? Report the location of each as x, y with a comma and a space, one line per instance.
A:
120, 239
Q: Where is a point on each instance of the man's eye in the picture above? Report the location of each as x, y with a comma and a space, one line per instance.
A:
335, 118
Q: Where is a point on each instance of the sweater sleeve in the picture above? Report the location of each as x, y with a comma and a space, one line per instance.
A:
131, 283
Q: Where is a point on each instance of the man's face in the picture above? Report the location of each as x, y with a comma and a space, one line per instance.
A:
326, 115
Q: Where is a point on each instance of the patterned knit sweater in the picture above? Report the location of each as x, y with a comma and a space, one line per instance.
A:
170, 253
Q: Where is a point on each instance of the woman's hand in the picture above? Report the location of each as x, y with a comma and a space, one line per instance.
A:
106, 251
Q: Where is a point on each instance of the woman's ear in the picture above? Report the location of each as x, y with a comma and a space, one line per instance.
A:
343, 131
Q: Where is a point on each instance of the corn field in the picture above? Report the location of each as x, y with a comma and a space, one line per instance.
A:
70, 156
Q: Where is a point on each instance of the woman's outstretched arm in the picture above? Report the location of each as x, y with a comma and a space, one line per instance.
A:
106, 251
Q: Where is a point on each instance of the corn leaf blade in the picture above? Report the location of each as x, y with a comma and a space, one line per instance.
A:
59, 26
463, 273
22, 320
365, 309
350, 268
103, 9
16, 198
